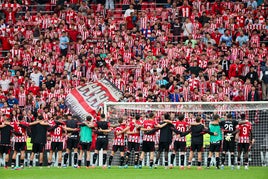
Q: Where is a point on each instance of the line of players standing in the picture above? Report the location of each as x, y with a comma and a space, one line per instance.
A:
223, 134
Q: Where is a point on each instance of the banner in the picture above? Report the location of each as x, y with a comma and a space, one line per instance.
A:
88, 99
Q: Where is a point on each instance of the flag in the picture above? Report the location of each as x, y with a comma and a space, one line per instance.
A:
88, 99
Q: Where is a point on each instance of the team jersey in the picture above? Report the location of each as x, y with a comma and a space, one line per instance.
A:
119, 139
85, 134
132, 128
5, 135
182, 127
215, 128
57, 134
20, 132
149, 124
102, 125
229, 126
244, 132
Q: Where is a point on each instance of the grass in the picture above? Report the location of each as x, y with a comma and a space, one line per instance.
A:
131, 173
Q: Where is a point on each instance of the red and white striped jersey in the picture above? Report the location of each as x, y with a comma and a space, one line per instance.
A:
70, 15
119, 83
6, 111
119, 139
197, 5
247, 89
244, 132
46, 22
127, 57
22, 131
59, 66
57, 134
186, 11
139, 85
149, 124
133, 128
213, 87
255, 39
22, 98
179, 70
182, 127
186, 93
143, 22
16, 53
227, 91
196, 97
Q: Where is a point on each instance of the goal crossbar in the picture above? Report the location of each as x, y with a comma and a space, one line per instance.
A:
189, 106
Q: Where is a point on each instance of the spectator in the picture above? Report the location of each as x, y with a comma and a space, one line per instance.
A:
187, 28
252, 75
12, 100
242, 39
175, 96
4, 82
203, 19
195, 69
253, 95
235, 69
128, 11
226, 38
109, 4
264, 80
35, 76
252, 3
129, 22
137, 4
50, 83
161, 81
64, 41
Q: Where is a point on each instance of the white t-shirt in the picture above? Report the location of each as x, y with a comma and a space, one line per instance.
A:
5, 84
189, 27
36, 78
128, 11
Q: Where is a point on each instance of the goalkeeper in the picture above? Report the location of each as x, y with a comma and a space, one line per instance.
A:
229, 126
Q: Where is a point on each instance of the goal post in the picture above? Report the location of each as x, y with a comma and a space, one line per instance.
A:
255, 111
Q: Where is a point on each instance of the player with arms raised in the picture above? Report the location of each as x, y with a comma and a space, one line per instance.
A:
244, 136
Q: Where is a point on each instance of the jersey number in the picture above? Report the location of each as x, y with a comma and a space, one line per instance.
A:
181, 129
244, 131
20, 129
57, 131
228, 127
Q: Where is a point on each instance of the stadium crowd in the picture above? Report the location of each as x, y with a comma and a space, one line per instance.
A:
176, 51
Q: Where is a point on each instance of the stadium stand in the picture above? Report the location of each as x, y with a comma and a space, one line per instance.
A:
153, 51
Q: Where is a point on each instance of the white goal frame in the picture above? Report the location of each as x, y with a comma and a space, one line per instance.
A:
259, 105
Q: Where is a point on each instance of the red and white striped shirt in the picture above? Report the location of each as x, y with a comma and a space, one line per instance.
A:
22, 131
182, 127
149, 124
119, 139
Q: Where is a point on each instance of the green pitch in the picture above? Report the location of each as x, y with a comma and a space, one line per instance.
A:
131, 173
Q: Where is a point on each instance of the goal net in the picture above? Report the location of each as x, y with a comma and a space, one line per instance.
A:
256, 113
